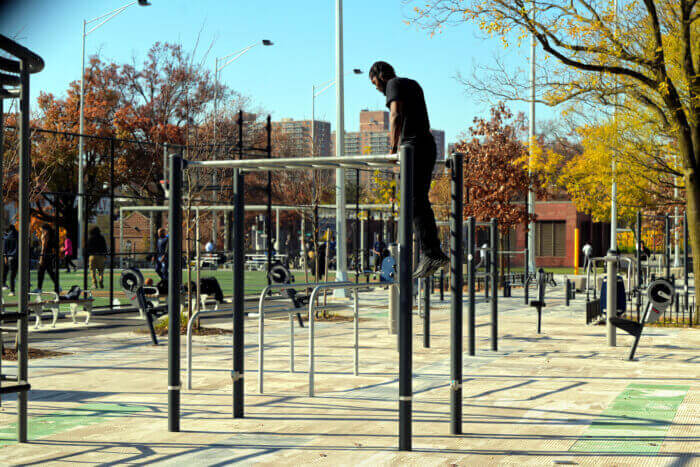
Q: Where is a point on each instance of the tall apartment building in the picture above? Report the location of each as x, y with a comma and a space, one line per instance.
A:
298, 134
373, 137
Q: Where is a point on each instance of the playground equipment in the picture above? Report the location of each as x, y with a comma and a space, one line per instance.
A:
15, 69
660, 295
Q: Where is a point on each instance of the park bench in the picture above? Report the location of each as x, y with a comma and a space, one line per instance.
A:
51, 301
539, 303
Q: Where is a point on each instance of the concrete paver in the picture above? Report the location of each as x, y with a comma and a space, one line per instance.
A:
542, 399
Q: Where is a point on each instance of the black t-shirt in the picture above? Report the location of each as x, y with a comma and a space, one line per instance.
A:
416, 126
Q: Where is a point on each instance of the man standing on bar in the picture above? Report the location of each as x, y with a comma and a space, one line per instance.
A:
409, 124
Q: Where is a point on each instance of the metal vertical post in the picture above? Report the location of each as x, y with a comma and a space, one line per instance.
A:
405, 298
86, 253
174, 283
612, 297
667, 245
238, 294
24, 273
638, 255
268, 227
471, 273
456, 286
427, 283
494, 284
111, 222
526, 291
340, 224
685, 260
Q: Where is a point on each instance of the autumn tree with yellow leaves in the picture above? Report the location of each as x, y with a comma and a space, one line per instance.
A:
642, 60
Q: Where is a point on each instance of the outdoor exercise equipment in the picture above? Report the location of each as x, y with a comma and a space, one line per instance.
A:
280, 274
133, 283
539, 303
660, 296
16, 65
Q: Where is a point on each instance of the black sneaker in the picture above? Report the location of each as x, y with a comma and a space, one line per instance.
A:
430, 264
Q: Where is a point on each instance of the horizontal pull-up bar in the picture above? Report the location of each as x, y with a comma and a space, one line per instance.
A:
289, 163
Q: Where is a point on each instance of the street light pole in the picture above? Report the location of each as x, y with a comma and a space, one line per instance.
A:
81, 143
341, 256
612, 305
228, 59
530, 193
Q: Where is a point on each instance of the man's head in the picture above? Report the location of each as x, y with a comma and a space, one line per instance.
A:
380, 74
162, 232
11, 228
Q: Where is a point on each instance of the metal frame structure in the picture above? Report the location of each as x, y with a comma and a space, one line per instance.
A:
14, 83
404, 160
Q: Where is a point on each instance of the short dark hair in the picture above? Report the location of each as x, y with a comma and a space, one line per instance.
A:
383, 70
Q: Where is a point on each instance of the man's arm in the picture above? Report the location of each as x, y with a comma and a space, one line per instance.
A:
395, 125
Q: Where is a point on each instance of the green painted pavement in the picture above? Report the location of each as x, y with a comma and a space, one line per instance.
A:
637, 420
84, 415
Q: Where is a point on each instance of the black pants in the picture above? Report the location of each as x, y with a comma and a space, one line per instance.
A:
68, 259
423, 216
48, 264
11, 266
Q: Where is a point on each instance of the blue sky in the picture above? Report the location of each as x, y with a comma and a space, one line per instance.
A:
278, 78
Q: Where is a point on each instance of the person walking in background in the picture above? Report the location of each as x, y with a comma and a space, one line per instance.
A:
47, 258
162, 254
10, 256
97, 252
378, 250
67, 250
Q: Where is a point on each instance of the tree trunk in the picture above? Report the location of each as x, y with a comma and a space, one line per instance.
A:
693, 204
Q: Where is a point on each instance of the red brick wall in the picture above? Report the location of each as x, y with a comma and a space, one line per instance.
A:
553, 211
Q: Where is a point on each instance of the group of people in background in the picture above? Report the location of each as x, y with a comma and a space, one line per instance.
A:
49, 255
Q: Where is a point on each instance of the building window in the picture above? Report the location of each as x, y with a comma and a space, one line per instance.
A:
550, 238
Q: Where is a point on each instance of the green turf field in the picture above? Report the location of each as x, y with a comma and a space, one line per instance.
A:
254, 282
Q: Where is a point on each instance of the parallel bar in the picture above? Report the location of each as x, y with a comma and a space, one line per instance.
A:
174, 283
456, 286
406, 299
238, 295
471, 273
286, 163
494, 284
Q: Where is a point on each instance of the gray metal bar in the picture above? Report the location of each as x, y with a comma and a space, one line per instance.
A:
471, 277
174, 283
406, 154
286, 163
238, 295
24, 273
494, 284
456, 286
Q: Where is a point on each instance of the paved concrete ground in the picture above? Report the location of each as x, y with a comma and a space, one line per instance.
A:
562, 397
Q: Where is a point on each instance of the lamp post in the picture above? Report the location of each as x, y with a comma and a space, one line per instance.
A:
100, 20
341, 273
227, 60
530, 193
611, 308
314, 94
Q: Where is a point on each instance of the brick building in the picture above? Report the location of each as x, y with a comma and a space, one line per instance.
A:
554, 235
